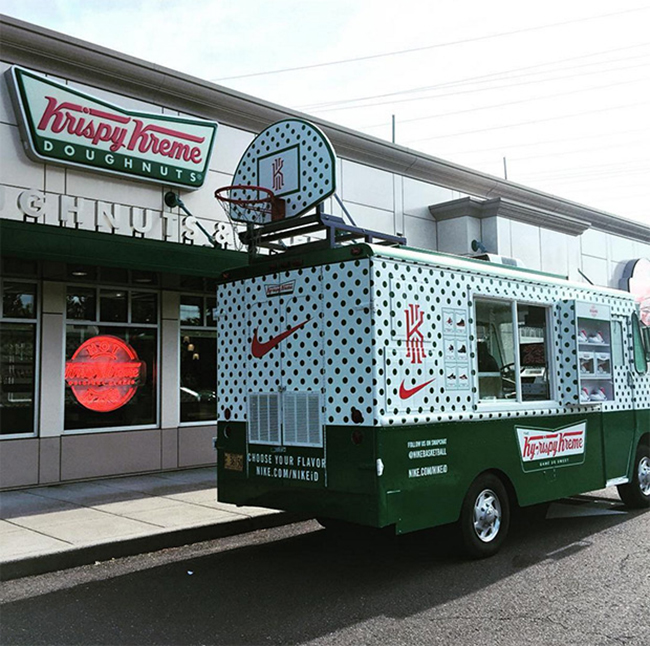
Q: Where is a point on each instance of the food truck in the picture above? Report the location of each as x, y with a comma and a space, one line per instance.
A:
365, 381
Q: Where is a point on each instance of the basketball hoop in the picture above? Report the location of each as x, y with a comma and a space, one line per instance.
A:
255, 204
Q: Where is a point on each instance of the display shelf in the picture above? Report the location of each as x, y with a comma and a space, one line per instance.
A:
594, 353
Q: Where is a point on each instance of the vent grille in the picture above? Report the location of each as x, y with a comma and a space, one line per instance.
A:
302, 419
295, 417
264, 418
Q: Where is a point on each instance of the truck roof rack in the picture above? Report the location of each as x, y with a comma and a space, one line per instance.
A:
337, 232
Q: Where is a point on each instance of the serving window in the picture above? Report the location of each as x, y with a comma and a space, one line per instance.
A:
512, 351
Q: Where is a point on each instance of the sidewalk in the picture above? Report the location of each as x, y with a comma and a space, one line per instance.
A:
50, 528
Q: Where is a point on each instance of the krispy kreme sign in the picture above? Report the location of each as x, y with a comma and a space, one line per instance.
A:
104, 373
65, 126
542, 449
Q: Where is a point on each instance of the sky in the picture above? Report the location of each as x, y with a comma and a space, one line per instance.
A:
555, 95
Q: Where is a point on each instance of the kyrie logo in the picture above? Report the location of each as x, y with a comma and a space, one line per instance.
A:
414, 337
278, 175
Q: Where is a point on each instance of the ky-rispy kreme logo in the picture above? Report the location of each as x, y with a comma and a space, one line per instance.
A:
104, 373
69, 127
540, 448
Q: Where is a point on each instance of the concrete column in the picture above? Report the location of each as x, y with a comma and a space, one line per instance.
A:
52, 382
456, 235
170, 361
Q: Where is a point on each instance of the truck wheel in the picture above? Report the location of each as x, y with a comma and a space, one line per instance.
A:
484, 517
636, 493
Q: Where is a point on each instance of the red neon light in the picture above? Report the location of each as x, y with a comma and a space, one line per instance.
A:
104, 373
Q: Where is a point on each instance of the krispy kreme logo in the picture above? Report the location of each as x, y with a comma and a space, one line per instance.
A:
66, 126
540, 448
281, 289
104, 373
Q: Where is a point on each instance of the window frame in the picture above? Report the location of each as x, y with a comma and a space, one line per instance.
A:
36, 322
98, 286
186, 330
639, 349
487, 405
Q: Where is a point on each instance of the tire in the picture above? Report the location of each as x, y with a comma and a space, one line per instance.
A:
636, 494
484, 517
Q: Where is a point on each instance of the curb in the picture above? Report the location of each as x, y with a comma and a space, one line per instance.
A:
42, 564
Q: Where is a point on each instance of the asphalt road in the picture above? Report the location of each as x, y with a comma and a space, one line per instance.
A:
581, 576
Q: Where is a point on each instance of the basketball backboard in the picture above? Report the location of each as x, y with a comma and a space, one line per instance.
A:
292, 158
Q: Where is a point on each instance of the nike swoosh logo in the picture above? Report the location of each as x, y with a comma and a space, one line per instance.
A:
405, 393
259, 349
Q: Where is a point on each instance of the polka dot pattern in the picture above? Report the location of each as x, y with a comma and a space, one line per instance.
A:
350, 341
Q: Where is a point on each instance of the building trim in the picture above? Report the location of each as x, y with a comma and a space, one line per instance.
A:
501, 207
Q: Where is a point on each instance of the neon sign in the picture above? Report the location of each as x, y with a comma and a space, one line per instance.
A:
104, 373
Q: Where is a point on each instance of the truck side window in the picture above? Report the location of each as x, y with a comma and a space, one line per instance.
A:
512, 351
533, 352
617, 343
640, 354
495, 350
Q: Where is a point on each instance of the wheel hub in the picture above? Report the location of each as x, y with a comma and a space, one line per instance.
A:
487, 516
644, 475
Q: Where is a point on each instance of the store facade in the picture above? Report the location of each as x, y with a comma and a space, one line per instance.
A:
108, 320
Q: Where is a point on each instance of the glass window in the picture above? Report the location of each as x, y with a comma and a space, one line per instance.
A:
617, 343
191, 310
111, 358
81, 303
19, 300
533, 352
512, 351
113, 305
17, 377
144, 307
640, 355
211, 312
18, 357
198, 375
111, 374
495, 350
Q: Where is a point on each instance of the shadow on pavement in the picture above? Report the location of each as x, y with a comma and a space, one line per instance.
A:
291, 590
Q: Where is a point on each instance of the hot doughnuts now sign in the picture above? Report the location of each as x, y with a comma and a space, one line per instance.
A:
104, 373
64, 126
